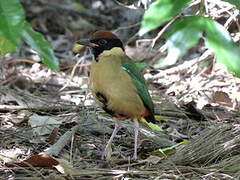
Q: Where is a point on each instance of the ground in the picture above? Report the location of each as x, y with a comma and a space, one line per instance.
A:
51, 120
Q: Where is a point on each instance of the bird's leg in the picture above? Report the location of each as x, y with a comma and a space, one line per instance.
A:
136, 129
106, 151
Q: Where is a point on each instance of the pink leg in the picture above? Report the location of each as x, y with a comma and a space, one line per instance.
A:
107, 151
136, 129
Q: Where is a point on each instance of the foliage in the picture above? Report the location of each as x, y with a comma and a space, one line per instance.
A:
39, 44
14, 29
186, 33
11, 25
160, 12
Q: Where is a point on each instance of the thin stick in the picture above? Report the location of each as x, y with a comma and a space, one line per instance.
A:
164, 29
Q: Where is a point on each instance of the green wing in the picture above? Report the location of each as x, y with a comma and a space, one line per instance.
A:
129, 66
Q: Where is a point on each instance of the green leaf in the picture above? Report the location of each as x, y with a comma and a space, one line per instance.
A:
160, 118
155, 127
165, 152
37, 42
227, 52
234, 2
6, 46
160, 12
186, 33
152, 126
11, 25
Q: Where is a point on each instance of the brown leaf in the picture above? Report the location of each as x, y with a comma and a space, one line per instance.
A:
222, 98
53, 136
40, 160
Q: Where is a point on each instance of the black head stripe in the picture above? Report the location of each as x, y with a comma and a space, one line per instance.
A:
110, 43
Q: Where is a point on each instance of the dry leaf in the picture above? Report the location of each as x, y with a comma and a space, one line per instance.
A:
40, 160
222, 98
43, 125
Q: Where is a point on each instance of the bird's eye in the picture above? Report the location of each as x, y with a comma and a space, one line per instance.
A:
102, 42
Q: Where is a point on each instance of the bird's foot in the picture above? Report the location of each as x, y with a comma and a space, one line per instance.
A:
107, 153
134, 157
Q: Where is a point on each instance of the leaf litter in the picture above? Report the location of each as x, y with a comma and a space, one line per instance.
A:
197, 107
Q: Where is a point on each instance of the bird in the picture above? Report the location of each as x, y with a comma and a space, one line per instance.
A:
117, 84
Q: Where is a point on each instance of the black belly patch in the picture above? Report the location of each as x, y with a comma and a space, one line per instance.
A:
104, 102
109, 111
101, 98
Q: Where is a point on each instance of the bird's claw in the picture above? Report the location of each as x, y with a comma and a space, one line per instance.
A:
134, 157
107, 153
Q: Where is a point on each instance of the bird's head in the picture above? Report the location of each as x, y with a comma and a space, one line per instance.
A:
101, 41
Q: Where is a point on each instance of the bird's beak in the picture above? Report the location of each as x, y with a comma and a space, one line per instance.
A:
86, 42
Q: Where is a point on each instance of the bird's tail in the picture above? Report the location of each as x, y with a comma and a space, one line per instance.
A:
150, 118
